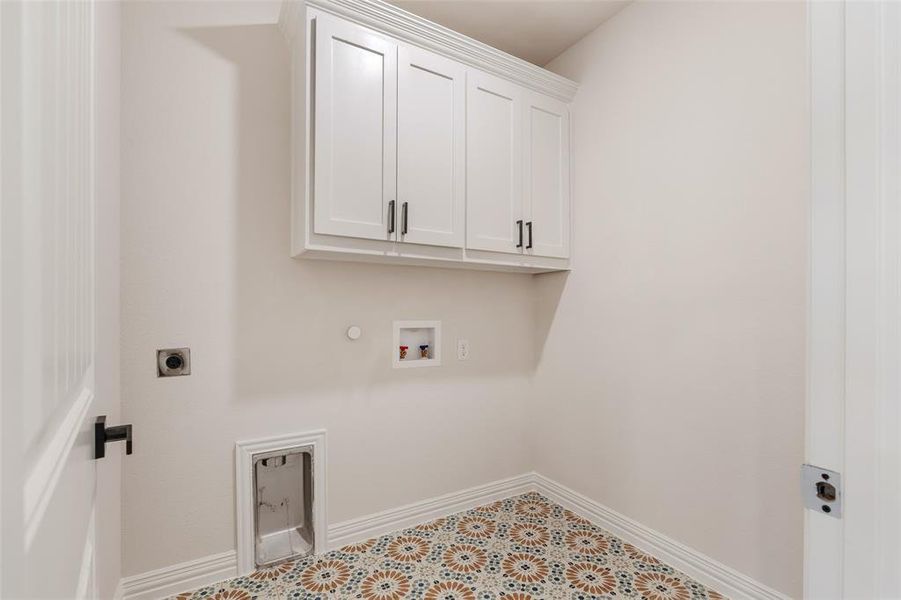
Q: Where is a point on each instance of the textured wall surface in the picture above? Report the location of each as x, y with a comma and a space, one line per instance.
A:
205, 264
663, 377
670, 385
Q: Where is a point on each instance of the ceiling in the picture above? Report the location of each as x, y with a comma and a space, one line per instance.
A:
534, 30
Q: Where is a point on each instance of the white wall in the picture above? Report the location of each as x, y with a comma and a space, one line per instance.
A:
670, 379
205, 230
670, 384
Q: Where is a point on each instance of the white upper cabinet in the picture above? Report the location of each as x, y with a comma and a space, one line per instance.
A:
431, 194
493, 164
355, 152
546, 187
416, 145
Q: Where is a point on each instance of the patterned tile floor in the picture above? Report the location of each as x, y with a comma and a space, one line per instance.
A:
521, 548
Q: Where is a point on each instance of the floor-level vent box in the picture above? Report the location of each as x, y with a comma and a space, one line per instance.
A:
280, 503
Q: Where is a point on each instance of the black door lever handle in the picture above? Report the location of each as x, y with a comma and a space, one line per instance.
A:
104, 434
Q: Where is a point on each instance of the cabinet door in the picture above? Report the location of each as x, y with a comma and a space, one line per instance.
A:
430, 148
355, 131
547, 192
493, 163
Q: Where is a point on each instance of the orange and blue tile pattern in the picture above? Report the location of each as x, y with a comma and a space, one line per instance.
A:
521, 548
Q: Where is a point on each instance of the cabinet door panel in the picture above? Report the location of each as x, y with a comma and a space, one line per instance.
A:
355, 131
493, 163
431, 151
546, 198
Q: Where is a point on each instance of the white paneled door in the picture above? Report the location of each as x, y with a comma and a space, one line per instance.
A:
494, 219
51, 481
431, 181
853, 417
546, 187
355, 131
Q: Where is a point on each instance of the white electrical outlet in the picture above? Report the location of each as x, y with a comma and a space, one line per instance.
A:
462, 349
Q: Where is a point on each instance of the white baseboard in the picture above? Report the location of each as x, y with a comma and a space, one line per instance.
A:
198, 573
370, 526
699, 567
205, 571
179, 578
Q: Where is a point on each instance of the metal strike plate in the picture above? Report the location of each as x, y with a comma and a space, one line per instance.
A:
821, 490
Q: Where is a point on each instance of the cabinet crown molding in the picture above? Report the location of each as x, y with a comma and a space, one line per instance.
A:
417, 31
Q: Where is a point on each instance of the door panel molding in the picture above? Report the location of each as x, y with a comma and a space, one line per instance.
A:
43, 476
